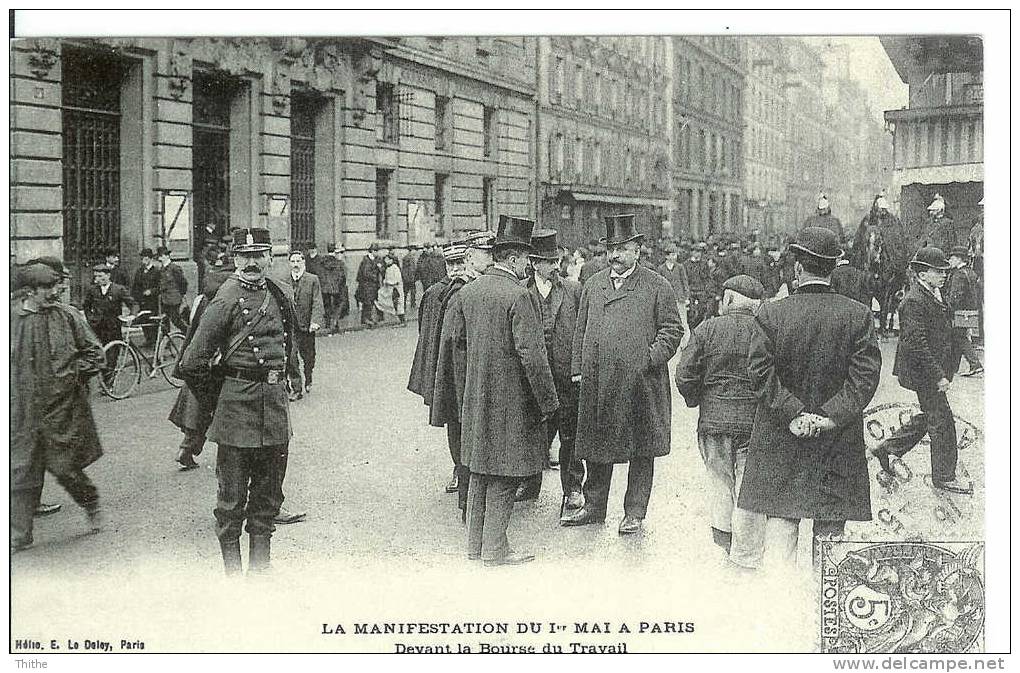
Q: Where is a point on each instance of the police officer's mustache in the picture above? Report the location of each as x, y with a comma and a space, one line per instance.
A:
252, 268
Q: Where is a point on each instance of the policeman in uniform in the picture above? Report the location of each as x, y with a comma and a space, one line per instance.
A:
238, 353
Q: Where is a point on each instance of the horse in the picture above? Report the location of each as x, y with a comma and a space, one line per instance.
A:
879, 250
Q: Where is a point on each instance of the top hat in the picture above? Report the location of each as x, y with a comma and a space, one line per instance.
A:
253, 239
514, 231
931, 257
620, 229
818, 242
545, 245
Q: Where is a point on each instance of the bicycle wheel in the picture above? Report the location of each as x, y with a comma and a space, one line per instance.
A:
168, 352
126, 370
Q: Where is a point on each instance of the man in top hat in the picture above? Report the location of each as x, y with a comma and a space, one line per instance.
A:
246, 333
962, 290
558, 301
424, 367
628, 328
53, 354
712, 374
369, 280
941, 232
926, 359
172, 288
814, 365
508, 390
823, 217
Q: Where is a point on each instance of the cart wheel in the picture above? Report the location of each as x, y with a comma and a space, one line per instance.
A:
167, 355
124, 373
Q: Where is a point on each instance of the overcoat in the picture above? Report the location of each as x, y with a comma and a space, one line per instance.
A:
53, 354
328, 272
368, 281
508, 385
850, 281
451, 363
677, 277
623, 341
431, 311
814, 351
925, 352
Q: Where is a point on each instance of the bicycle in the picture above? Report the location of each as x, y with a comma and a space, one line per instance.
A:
126, 373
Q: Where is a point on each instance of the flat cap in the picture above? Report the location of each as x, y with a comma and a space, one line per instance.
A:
746, 285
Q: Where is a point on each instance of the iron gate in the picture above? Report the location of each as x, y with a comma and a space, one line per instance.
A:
302, 173
91, 161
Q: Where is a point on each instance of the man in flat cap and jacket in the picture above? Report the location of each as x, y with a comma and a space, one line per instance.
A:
926, 360
628, 328
238, 354
508, 391
814, 365
712, 375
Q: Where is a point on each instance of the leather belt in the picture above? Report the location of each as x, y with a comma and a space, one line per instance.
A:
257, 375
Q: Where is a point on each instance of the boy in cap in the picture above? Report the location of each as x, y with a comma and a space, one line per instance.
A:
712, 374
926, 360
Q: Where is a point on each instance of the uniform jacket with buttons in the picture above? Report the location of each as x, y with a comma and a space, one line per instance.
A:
249, 414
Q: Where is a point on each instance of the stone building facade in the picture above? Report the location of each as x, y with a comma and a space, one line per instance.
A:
603, 133
806, 130
130, 143
708, 134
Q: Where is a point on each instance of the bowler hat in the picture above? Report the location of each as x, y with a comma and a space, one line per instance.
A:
746, 285
960, 251
931, 257
513, 231
818, 242
252, 239
545, 245
620, 229
38, 275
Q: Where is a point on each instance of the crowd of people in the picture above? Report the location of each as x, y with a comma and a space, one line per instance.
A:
522, 341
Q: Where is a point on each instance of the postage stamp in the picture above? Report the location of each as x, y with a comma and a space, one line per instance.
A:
902, 597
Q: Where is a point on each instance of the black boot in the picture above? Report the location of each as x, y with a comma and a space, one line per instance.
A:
231, 557
258, 554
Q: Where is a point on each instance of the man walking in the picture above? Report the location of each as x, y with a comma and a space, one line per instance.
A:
814, 365
712, 374
103, 305
673, 271
246, 331
369, 279
628, 328
964, 298
558, 301
308, 309
925, 363
172, 288
508, 391
409, 276
53, 354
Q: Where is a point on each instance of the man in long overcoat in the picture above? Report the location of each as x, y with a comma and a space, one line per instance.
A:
508, 391
53, 354
926, 360
369, 279
814, 365
628, 328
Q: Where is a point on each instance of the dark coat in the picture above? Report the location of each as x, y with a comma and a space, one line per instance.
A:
850, 281
814, 351
248, 414
925, 351
590, 268
712, 373
145, 288
172, 285
942, 234
368, 280
623, 341
430, 268
508, 386
962, 289
53, 354
451, 361
307, 301
409, 267
431, 310
559, 321
103, 310
677, 278
698, 276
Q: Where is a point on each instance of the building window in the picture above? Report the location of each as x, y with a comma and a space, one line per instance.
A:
596, 160
597, 91
383, 215
559, 74
443, 123
578, 84
386, 129
579, 160
211, 155
302, 171
490, 130
488, 202
440, 195
91, 158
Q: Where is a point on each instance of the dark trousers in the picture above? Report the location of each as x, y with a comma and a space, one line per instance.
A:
453, 430
24, 500
249, 486
564, 424
966, 347
410, 296
935, 420
193, 442
330, 309
304, 344
173, 314
639, 486
369, 313
489, 505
